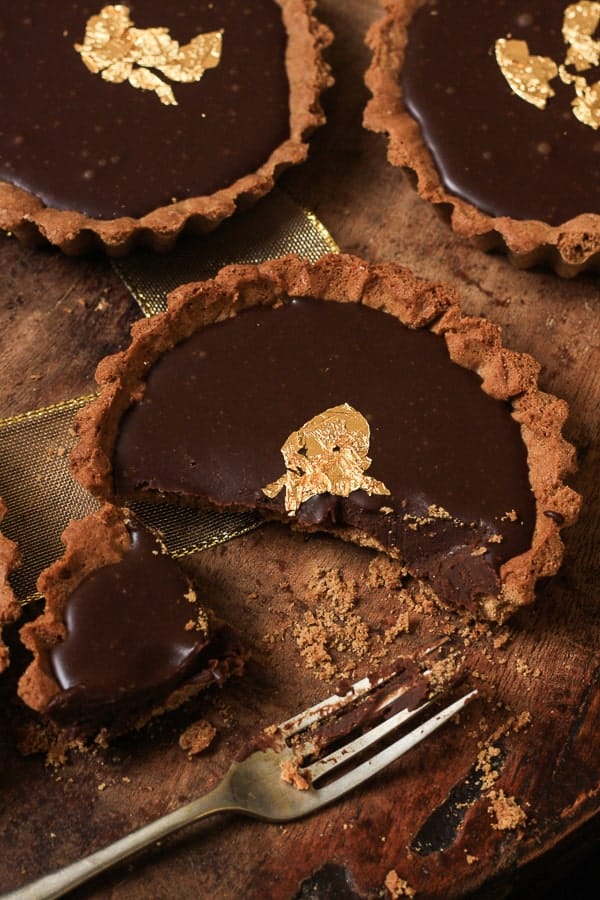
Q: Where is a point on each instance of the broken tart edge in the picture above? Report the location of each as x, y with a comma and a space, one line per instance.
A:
473, 343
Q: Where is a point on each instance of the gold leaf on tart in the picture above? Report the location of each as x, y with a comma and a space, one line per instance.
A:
327, 455
114, 48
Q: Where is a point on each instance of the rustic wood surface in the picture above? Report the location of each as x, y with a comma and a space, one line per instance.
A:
58, 317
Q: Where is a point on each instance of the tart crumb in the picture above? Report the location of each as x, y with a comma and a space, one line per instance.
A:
508, 813
397, 886
290, 773
197, 737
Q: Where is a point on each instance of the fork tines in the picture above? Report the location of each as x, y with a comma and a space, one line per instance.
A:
331, 726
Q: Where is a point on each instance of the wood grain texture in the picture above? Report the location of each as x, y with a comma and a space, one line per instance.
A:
58, 317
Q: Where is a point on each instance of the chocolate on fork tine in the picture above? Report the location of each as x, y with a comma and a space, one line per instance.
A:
255, 786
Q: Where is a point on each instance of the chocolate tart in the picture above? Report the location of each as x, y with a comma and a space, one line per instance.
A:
346, 398
9, 608
123, 124
493, 110
123, 636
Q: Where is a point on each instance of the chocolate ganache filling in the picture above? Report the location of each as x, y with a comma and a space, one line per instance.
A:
444, 486
102, 142
535, 158
127, 642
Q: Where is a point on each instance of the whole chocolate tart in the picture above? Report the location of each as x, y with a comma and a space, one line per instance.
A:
123, 636
494, 109
9, 608
124, 123
346, 398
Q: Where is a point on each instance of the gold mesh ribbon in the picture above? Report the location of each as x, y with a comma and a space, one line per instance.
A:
275, 227
35, 481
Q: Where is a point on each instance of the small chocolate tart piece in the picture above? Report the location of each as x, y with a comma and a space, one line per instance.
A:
124, 123
495, 109
123, 636
346, 398
9, 608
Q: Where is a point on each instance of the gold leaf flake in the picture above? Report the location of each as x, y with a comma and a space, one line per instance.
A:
528, 76
586, 105
119, 52
328, 454
579, 24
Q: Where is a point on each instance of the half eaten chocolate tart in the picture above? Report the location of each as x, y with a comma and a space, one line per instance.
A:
494, 108
122, 124
346, 398
123, 636
9, 608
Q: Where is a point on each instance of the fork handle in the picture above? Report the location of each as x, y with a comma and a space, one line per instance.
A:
60, 882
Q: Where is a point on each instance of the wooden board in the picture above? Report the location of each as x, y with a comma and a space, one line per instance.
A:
58, 317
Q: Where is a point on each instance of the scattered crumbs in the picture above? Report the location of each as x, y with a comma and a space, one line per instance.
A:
524, 669
479, 551
331, 625
510, 516
383, 572
397, 886
495, 539
501, 639
190, 625
126, 779
197, 737
470, 859
386, 510
425, 601
101, 306
291, 774
522, 721
443, 670
52, 834
485, 765
507, 812
191, 595
400, 626
102, 786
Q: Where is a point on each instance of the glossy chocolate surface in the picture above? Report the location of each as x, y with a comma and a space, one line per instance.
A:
79, 142
218, 407
126, 635
492, 148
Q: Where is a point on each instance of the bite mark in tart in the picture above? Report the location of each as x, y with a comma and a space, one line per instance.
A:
281, 364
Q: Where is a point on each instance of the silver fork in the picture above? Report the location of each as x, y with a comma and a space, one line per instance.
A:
258, 786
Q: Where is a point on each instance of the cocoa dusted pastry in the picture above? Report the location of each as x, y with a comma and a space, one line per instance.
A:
135, 120
123, 636
9, 608
495, 109
346, 398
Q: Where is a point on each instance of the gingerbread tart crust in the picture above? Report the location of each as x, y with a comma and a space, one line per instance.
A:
473, 343
569, 248
24, 215
9, 608
102, 539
